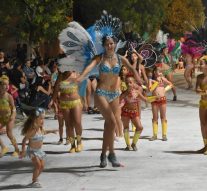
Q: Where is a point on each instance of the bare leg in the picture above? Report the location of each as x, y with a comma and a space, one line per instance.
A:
155, 110
66, 117
37, 168
10, 135
60, 125
110, 122
76, 114
187, 75
126, 121
203, 124
170, 78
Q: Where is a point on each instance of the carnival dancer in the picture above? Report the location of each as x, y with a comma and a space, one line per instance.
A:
129, 100
34, 132
108, 65
71, 108
189, 67
166, 67
136, 61
158, 89
201, 88
7, 115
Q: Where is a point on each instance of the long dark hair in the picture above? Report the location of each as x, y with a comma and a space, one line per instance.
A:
137, 63
30, 122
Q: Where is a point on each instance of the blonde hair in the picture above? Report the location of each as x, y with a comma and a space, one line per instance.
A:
4, 79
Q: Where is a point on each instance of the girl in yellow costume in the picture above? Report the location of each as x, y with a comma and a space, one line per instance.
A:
130, 111
157, 87
201, 88
71, 107
7, 115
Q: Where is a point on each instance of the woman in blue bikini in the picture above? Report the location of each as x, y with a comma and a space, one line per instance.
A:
107, 93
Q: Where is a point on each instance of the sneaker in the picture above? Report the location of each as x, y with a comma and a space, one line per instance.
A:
79, 148
153, 138
204, 149
164, 138
96, 111
60, 141
34, 185
134, 147
15, 154
128, 148
103, 162
67, 142
4, 150
72, 150
174, 98
90, 110
112, 158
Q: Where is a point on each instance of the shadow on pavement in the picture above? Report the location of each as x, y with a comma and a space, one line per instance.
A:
182, 103
183, 152
56, 152
92, 138
93, 129
13, 187
9, 169
98, 118
78, 171
116, 149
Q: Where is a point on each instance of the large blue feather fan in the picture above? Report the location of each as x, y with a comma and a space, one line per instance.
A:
78, 47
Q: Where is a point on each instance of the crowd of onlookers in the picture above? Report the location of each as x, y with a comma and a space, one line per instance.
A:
30, 80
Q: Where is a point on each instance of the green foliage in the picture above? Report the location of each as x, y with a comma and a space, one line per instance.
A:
34, 20
145, 16
153, 13
185, 15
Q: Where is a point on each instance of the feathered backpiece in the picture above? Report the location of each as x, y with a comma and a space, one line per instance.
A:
108, 26
145, 50
162, 37
77, 46
196, 42
148, 54
174, 48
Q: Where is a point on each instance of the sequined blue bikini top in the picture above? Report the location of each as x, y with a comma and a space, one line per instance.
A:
37, 137
105, 68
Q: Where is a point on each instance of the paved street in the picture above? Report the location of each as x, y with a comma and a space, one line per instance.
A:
158, 166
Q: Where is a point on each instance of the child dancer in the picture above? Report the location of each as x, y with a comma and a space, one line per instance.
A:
130, 111
7, 115
34, 133
201, 88
157, 87
71, 107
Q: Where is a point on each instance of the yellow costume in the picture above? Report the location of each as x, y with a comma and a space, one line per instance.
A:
123, 86
203, 102
5, 111
69, 88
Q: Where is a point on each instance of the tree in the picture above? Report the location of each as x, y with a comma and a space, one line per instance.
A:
88, 11
34, 20
185, 15
152, 15
145, 16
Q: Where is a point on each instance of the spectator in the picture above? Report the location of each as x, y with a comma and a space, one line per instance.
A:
5, 68
29, 72
19, 79
41, 94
